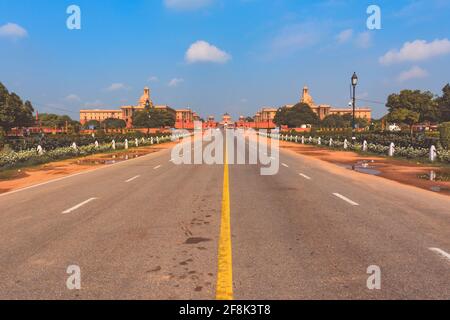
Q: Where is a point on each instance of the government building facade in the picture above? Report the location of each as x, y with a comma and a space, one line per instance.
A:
126, 112
324, 110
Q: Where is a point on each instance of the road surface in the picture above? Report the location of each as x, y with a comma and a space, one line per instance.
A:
150, 229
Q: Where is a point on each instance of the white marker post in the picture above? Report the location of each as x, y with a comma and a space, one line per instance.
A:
391, 149
433, 153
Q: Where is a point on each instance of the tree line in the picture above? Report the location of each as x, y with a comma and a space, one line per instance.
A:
13, 111
302, 114
409, 107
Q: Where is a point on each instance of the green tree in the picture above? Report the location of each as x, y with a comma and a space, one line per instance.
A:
334, 121
13, 111
6, 110
52, 120
422, 103
153, 118
112, 123
296, 116
443, 103
92, 124
281, 116
404, 116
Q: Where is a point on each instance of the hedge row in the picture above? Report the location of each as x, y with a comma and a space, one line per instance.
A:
33, 157
51, 142
401, 139
443, 155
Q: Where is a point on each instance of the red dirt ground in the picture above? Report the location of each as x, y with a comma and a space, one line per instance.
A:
394, 169
16, 179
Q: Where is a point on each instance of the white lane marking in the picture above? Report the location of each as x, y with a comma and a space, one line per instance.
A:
305, 176
157, 167
77, 174
441, 252
285, 165
131, 179
79, 205
340, 196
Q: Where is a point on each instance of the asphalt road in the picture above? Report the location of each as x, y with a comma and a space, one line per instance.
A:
150, 229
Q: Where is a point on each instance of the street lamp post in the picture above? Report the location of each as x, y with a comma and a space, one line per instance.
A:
354, 84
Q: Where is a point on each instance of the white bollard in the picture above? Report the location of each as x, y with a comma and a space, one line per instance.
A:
296, 139
126, 144
40, 151
303, 140
113, 145
391, 149
331, 142
346, 144
364, 146
319, 141
433, 153
136, 142
310, 139
74, 146
96, 144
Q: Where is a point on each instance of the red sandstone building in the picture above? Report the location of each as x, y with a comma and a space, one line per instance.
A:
125, 112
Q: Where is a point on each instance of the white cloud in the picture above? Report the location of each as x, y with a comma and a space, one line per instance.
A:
94, 104
72, 98
364, 40
413, 73
153, 79
13, 31
202, 51
187, 4
116, 87
175, 82
344, 36
417, 50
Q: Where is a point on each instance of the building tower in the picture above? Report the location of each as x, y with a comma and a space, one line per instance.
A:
145, 98
306, 97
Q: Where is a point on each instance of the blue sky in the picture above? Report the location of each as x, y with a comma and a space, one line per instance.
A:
219, 56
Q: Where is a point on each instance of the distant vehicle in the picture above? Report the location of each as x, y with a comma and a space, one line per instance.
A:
394, 128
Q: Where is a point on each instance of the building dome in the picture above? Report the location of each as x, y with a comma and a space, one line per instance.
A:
306, 97
145, 97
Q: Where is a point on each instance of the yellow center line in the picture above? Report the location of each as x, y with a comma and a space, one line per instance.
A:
224, 290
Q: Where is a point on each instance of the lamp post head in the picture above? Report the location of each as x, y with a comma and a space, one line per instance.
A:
354, 79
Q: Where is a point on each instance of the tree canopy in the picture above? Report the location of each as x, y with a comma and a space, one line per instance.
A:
298, 115
443, 103
335, 121
153, 118
13, 111
92, 124
112, 123
415, 102
55, 120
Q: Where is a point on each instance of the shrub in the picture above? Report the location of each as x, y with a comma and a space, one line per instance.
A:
444, 130
11, 159
50, 142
